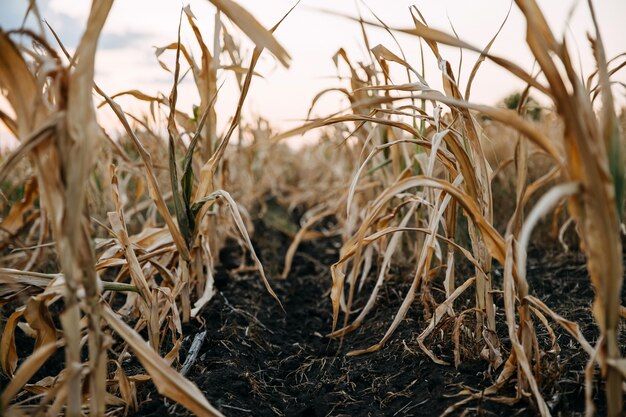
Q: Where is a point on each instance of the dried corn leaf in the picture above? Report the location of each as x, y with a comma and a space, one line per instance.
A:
16, 218
168, 382
27, 369
253, 29
39, 319
8, 351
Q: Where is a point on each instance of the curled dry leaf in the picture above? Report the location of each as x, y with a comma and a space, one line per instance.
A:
168, 382
253, 29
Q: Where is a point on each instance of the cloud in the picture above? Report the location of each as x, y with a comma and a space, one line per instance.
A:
69, 26
70, 29
120, 40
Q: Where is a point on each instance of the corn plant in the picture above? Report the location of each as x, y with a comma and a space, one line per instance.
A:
413, 198
56, 125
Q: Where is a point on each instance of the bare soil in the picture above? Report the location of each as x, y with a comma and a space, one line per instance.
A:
258, 360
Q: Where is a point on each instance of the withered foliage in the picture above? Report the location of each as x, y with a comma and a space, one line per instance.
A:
136, 222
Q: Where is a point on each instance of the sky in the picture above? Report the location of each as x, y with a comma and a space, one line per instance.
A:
126, 58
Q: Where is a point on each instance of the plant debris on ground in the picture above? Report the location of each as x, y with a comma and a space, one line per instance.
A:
258, 360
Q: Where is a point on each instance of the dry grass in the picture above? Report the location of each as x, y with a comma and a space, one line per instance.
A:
137, 230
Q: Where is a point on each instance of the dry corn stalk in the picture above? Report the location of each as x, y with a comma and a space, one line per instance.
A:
63, 160
592, 174
592, 162
55, 121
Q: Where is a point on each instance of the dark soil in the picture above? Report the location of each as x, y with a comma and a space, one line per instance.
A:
258, 360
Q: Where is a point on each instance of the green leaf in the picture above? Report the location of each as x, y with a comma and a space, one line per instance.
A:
186, 182
195, 208
179, 206
195, 113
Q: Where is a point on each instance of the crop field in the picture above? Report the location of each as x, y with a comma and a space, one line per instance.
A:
426, 254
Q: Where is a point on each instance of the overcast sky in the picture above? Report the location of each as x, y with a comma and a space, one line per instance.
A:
126, 56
